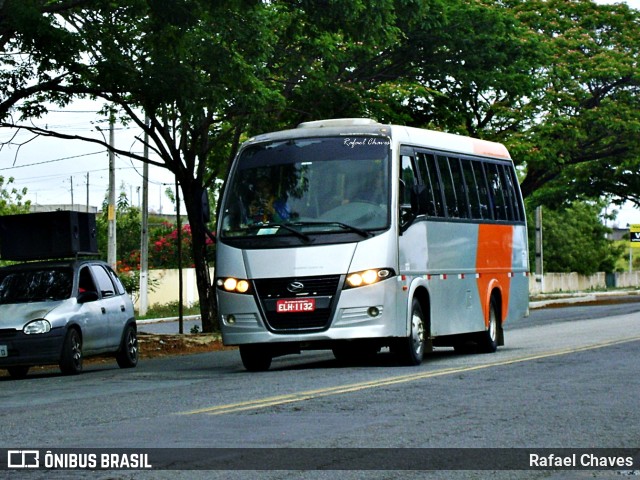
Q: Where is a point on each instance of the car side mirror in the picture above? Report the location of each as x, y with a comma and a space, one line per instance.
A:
85, 297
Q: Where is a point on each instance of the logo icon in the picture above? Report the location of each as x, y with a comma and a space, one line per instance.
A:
23, 459
295, 287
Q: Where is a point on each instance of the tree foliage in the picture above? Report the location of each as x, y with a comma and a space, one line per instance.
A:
11, 198
575, 240
556, 81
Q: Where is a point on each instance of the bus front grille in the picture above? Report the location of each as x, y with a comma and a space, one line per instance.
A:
323, 289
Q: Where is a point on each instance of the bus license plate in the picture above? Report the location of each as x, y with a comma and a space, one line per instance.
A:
296, 306
4, 351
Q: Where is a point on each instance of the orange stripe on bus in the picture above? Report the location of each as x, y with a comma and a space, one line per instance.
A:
483, 147
493, 262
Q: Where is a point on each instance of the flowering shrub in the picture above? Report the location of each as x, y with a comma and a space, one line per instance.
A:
163, 251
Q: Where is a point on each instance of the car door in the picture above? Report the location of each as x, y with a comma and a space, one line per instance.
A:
113, 305
94, 321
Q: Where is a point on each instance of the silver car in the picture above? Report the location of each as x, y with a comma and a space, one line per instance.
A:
59, 312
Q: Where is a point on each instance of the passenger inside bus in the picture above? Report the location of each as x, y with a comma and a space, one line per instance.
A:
265, 206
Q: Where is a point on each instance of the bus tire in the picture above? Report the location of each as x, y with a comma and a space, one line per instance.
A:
255, 358
410, 350
488, 340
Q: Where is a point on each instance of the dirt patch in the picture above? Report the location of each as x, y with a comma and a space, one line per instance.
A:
153, 346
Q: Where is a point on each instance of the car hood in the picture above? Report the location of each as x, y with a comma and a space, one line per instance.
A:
17, 315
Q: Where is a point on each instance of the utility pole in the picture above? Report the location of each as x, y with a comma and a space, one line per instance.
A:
111, 213
539, 257
180, 283
71, 182
87, 192
144, 240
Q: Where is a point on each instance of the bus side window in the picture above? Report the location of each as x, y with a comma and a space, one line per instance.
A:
429, 174
472, 189
486, 208
516, 211
497, 192
450, 195
408, 177
460, 187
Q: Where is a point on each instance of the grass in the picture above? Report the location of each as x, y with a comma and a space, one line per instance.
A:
168, 310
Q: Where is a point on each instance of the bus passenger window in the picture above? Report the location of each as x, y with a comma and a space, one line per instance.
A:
486, 209
497, 192
460, 188
448, 188
408, 177
472, 189
429, 174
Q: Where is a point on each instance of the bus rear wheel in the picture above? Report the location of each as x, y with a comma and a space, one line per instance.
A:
410, 350
488, 340
255, 358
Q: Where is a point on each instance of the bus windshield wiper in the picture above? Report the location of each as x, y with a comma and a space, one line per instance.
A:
351, 228
344, 226
288, 228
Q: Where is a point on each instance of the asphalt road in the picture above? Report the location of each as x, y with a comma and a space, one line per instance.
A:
563, 380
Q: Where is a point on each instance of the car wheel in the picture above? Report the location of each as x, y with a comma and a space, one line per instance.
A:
488, 341
71, 358
127, 356
19, 371
255, 358
410, 350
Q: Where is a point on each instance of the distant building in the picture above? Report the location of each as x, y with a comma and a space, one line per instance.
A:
618, 233
76, 207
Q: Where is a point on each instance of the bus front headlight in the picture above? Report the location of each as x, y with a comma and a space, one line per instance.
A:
234, 285
367, 277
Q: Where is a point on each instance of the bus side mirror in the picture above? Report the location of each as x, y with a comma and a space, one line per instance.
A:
419, 200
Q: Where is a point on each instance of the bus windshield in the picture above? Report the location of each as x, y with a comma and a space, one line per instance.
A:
309, 186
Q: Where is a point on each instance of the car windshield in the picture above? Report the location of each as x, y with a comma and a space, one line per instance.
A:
35, 285
309, 186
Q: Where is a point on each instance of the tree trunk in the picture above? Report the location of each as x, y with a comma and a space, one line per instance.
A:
192, 194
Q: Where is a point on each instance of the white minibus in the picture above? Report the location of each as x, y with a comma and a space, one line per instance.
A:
354, 236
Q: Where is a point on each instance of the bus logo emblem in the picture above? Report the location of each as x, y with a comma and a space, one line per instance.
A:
295, 287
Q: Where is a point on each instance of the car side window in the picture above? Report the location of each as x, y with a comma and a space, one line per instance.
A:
104, 281
116, 281
85, 281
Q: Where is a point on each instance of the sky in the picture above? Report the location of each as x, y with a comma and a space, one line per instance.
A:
56, 171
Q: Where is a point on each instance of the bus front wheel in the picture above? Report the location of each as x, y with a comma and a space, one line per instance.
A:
410, 350
255, 358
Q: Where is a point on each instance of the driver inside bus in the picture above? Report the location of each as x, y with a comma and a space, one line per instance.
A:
265, 206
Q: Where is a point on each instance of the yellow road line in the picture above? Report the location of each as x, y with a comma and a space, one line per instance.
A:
355, 387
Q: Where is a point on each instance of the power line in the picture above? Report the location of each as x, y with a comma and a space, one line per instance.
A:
51, 161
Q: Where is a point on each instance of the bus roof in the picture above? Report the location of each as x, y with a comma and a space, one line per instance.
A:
400, 135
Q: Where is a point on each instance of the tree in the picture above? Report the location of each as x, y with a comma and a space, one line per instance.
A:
575, 240
208, 74
205, 74
11, 198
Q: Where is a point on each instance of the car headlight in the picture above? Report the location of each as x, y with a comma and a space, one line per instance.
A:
368, 277
36, 327
234, 285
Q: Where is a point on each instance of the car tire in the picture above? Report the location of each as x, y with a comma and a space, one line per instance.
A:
71, 357
127, 356
18, 372
255, 358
